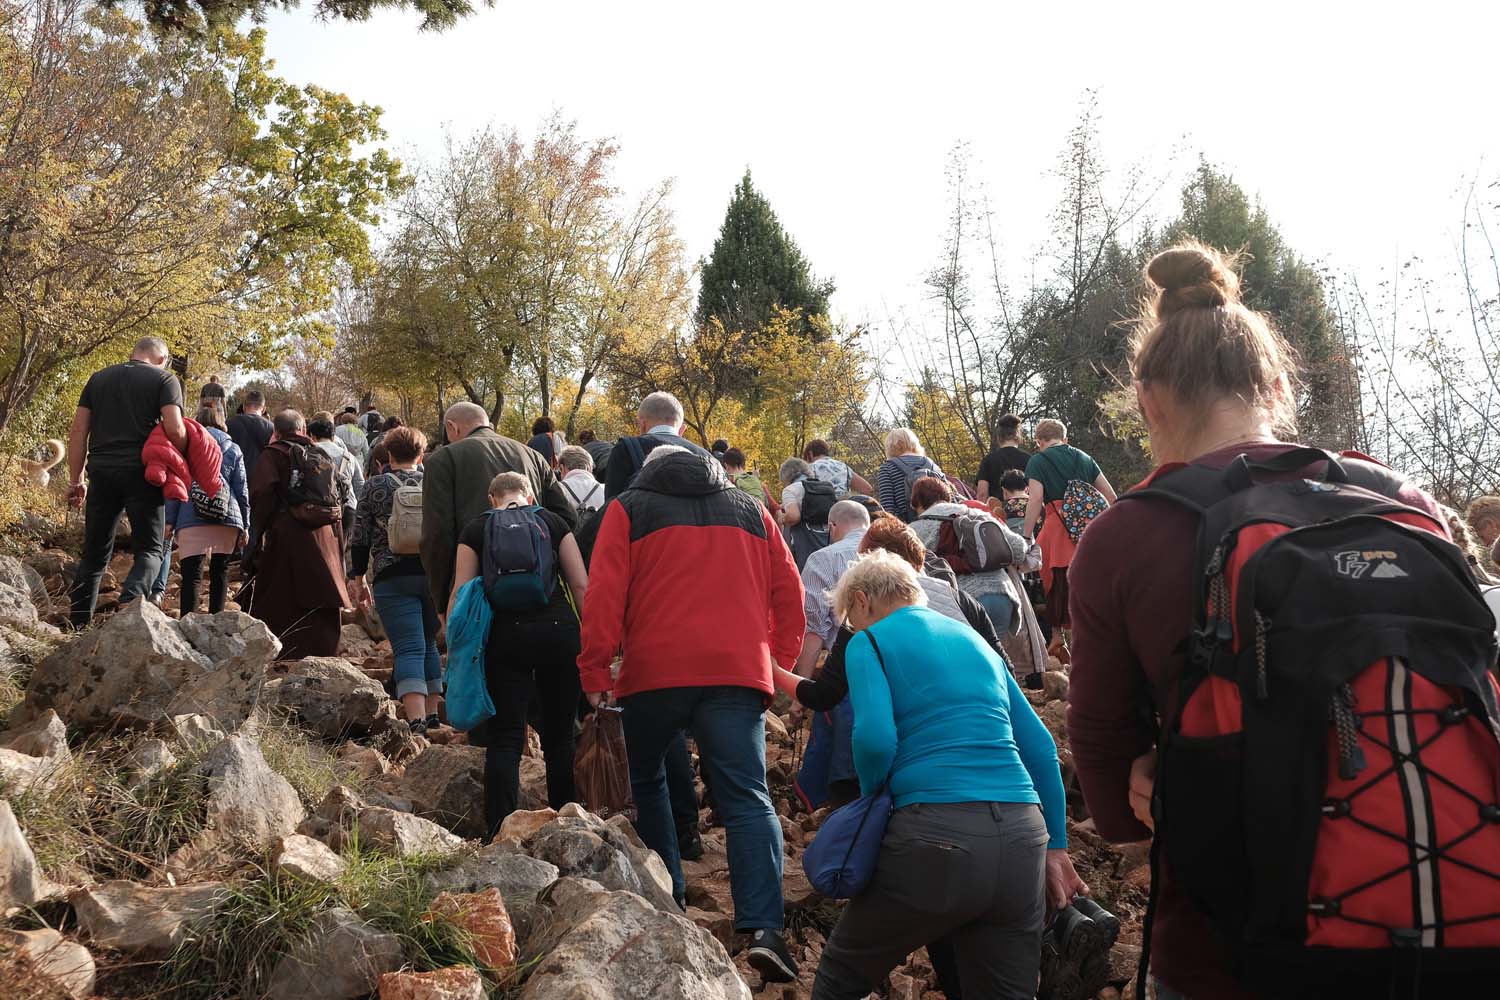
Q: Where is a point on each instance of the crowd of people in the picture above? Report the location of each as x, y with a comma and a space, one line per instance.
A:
907, 614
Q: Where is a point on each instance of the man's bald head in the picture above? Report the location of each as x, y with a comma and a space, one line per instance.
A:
846, 516
462, 419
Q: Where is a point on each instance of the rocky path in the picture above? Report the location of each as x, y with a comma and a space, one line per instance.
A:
304, 775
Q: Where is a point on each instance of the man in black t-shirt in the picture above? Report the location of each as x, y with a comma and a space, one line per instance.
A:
1005, 455
117, 410
251, 430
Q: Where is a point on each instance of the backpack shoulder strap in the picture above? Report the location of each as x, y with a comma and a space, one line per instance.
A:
637, 451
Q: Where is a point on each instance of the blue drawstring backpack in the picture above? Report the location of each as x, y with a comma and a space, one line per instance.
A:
467, 694
841, 859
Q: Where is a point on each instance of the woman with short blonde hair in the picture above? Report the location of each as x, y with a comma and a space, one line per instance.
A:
977, 792
905, 463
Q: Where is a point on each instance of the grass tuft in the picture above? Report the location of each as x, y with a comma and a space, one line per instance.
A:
94, 824
263, 919
306, 763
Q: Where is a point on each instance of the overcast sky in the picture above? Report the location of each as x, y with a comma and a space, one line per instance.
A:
1358, 125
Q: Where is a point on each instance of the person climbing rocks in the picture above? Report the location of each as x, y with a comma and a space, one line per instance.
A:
684, 537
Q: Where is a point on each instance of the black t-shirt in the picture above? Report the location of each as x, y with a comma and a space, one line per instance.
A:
998, 462
125, 403
557, 609
252, 432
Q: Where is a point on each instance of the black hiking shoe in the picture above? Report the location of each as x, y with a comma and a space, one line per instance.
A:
418, 727
1100, 916
769, 957
1075, 954
432, 721
690, 844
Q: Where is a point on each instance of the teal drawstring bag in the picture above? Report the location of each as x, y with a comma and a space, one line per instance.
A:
467, 694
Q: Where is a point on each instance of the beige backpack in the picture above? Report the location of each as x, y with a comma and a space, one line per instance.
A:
404, 529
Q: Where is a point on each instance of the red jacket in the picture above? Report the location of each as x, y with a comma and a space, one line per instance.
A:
168, 468
690, 577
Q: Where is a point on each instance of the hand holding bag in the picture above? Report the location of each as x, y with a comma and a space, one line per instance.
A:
841, 859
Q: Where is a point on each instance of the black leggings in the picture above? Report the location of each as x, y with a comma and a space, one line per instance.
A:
517, 655
218, 581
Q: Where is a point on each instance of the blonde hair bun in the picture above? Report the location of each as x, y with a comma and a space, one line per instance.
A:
1192, 276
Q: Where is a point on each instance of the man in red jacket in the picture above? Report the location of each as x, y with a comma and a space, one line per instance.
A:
692, 582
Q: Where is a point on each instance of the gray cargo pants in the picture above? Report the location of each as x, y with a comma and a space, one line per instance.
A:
971, 872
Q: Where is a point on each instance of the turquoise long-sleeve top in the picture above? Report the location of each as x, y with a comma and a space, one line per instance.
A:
947, 721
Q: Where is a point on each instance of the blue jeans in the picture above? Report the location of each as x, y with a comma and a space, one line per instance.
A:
1001, 610
406, 611
731, 733
159, 585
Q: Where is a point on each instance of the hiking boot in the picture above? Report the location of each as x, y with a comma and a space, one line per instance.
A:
418, 727
690, 844
1100, 916
432, 721
769, 957
1075, 953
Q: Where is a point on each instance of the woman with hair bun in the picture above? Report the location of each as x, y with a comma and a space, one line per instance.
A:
1214, 380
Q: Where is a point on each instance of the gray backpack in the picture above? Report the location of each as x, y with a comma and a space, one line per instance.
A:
404, 528
985, 544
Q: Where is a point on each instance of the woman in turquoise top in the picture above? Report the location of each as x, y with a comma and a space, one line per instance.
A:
975, 852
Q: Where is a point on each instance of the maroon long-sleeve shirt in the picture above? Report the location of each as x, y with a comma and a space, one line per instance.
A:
1131, 584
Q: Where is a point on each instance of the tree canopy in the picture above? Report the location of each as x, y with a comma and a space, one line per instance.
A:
756, 268
198, 17
154, 186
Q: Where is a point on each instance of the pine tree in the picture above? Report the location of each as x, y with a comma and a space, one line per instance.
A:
755, 267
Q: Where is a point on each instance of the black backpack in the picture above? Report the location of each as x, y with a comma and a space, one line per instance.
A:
1327, 790
312, 495
818, 499
520, 573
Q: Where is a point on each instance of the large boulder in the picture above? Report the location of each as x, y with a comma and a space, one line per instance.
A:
307, 858
341, 958
581, 844
134, 918
16, 606
21, 879
616, 946
403, 834
65, 964
446, 785
44, 736
456, 982
21, 772
247, 802
240, 648
483, 921
331, 697
517, 876
140, 667
15, 573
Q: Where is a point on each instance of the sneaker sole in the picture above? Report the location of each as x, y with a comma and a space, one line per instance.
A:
770, 966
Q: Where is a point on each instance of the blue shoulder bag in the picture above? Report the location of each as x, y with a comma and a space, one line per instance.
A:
466, 691
841, 859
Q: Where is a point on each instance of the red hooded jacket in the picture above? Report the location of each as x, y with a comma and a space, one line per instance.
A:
173, 472
690, 577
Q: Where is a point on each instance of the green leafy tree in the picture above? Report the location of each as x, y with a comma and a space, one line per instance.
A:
200, 17
756, 268
1274, 280
155, 186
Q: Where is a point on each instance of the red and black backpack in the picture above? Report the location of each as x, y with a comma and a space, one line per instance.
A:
1328, 779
